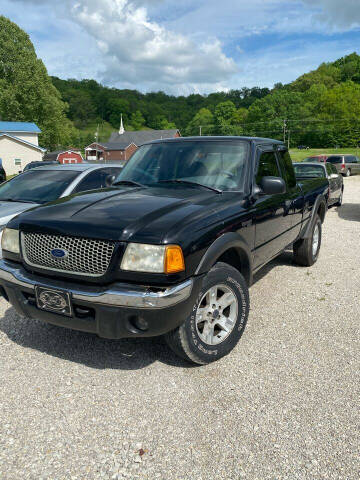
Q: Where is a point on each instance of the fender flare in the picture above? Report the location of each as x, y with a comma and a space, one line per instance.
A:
320, 200
220, 246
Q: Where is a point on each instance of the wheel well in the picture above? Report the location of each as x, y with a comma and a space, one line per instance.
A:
321, 212
237, 259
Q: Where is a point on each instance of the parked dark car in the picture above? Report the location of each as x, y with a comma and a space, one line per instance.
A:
2, 174
347, 165
32, 165
171, 248
303, 147
306, 170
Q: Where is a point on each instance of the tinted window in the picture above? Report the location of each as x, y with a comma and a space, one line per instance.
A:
287, 168
268, 166
333, 169
309, 171
328, 168
216, 164
38, 186
350, 159
98, 179
335, 160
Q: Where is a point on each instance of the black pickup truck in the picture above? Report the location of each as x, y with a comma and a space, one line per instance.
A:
170, 249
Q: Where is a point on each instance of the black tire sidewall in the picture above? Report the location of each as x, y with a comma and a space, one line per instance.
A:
235, 281
340, 199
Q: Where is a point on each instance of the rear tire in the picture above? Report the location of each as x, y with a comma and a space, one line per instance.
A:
348, 173
218, 318
306, 251
339, 202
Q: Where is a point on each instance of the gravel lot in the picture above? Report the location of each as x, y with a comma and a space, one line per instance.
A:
283, 405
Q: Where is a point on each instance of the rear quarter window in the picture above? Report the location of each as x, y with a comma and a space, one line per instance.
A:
335, 159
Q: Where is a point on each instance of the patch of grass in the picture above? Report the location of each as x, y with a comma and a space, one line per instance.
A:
300, 155
105, 130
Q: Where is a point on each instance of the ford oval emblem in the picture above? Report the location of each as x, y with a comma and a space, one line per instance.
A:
59, 253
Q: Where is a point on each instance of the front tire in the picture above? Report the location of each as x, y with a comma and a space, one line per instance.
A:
218, 318
306, 251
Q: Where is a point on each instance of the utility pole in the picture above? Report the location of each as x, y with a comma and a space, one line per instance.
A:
284, 130
200, 130
288, 139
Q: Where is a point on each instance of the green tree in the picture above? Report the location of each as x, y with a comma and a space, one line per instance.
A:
26, 90
204, 119
224, 117
137, 120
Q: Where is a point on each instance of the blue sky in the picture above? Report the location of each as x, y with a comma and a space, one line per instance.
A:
184, 47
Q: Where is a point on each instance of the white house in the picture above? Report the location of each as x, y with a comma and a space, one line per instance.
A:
19, 145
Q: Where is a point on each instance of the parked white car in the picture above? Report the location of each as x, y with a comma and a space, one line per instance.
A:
46, 184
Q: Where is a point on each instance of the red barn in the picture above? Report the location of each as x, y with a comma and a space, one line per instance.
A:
65, 157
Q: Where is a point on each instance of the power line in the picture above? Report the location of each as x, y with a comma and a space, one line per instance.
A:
280, 120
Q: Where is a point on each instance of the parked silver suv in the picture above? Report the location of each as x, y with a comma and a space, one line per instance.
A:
345, 164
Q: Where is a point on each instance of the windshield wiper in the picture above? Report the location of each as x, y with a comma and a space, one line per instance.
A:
128, 182
14, 200
189, 182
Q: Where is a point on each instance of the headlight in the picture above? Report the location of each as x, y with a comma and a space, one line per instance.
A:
10, 240
140, 257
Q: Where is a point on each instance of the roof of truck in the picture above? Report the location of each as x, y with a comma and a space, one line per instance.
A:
258, 140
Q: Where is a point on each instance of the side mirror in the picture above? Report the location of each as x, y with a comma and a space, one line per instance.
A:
272, 185
110, 179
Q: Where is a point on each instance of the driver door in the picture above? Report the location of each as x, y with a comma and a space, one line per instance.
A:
271, 216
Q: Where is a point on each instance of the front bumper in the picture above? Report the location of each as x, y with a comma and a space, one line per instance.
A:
114, 311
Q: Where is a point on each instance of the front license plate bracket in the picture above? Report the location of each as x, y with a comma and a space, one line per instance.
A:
55, 301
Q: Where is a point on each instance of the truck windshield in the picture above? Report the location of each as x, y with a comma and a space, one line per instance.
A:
37, 186
214, 164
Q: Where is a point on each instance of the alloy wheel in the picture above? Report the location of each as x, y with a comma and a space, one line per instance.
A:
216, 314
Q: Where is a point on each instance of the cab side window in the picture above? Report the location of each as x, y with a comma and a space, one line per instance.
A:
287, 168
329, 170
268, 166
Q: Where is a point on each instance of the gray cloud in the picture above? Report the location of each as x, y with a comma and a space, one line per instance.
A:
340, 13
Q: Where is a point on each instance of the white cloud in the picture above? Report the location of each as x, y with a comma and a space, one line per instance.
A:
134, 50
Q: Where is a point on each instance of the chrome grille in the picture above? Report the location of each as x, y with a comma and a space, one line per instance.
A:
83, 256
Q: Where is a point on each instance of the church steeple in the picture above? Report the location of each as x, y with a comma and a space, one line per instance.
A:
122, 129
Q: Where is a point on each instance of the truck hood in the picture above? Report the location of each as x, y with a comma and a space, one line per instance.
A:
8, 210
147, 215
